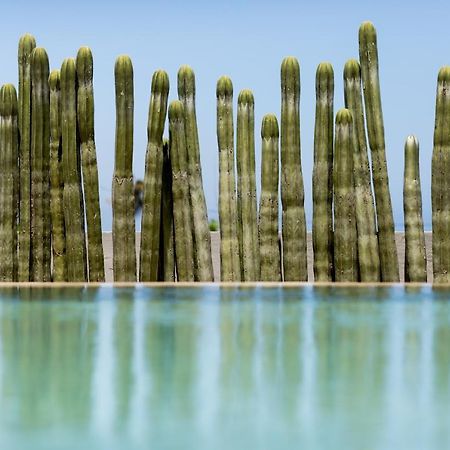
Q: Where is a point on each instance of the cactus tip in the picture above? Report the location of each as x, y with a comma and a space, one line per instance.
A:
224, 86
176, 110
344, 117
246, 97
352, 69
160, 82
269, 128
444, 74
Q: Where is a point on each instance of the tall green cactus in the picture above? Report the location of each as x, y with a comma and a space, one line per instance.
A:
229, 245
368, 251
9, 182
124, 246
440, 182
184, 248
151, 209
71, 169
40, 167
268, 206
56, 181
26, 45
246, 188
368, 55
295, 262
345, 239
202, 236
415, 256
85, 115
322, 232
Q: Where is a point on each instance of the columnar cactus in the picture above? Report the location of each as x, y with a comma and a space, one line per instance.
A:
246, 188
229, 244
368, 55
151, 208
71, 169
184, 249
9, 182
345, 239
368, 252
56, 181
124, 246
292, 192
202, 236
322, 232
268, 206
415, 256
85, 115
40, 167
27, 44
440, 182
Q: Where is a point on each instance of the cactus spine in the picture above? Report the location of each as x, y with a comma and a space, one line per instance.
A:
56, 183
322, 232
368, 55
85, 115
268, 207
292, 192
368, 252
345, 239
184, 249
27, 44
202, 237
124, 246
415, 256
9, 182
246, 188
229, 245
151, 209
71, 169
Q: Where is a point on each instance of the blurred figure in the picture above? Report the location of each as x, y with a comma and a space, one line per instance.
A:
138, 195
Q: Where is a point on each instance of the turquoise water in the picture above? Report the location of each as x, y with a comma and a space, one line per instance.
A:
211, 368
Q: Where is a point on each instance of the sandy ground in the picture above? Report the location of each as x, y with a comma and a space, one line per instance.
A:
215, 243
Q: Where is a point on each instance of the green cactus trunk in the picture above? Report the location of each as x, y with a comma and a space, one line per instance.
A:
184, 248
27, 44
56, 181
246, 188
322, 232
151, 208
268, 206
415, 255
71, 170
124, 245
85, 115
9, 183
368, 55
295, 266
202, 236
368, 251
345, 239
229, 244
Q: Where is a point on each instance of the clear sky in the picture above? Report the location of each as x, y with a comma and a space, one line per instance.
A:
246, 40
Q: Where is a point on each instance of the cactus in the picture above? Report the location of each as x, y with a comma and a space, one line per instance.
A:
415, 256
184, 249
85, 115
229, 245
202, 237
151, 209
368, 251
124, 246
71, 170
292, 192
345, 239
368, 55
322, 232
246, 188
40, 168
440, 183
9, 182
56, 183
27, 43
268, 206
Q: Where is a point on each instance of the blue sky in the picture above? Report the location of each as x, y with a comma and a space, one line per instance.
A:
246, 40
